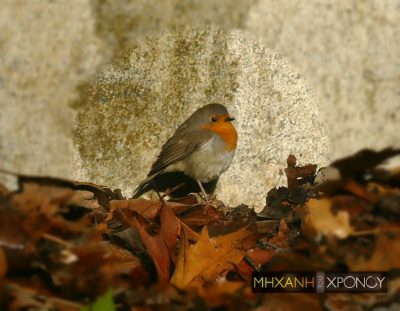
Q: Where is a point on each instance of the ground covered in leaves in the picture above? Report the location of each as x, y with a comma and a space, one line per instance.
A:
65, 244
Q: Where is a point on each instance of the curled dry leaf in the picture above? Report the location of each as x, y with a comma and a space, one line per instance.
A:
103, 194
157, 250
170, 230
298, 175
281, 239
161, 247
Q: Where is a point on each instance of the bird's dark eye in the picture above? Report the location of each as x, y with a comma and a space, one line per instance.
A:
214, 119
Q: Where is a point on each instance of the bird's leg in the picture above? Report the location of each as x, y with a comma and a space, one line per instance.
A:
153, 184
203, 192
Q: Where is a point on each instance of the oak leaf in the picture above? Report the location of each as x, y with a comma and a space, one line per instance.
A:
209, 257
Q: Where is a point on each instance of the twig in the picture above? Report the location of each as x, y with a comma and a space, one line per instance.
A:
4, 171
365, 232
172, 190
57, 240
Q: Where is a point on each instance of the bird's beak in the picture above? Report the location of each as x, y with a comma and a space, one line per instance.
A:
229, 119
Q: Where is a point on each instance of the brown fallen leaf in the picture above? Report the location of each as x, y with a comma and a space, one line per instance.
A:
189, 233
180, 207
281, 239
320, 219
223, 292
103, 194
60, 252
147, 208
298, 175
350, 204
91, 269
161, 246
339, 302
3, 190
290, 302
85, 199
157, 250
362, 161
3, 263
359, 191
25, 298
208, 258
385, 254
254, 260
188, 200
170, 230
197, 218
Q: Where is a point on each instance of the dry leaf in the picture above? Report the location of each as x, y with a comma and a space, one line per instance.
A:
360, 191
385, 255
320, 219
170, 230
281, 239
189, 233
158, 251
298, 175
147, 208
255, 259
208, 257
58, 250
290, 302
224, 292
3, 263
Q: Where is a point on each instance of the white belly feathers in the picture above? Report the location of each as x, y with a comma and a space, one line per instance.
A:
207, 163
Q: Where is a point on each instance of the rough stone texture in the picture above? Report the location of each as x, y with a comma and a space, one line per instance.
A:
121, 22
138, 101
350, 51
50, 50
47, 49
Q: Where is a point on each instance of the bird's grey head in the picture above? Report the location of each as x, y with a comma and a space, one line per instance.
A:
211, 113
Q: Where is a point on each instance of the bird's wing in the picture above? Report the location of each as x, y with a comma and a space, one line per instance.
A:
179, 147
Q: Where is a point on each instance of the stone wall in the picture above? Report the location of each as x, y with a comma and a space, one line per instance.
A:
349, 50
52, 52
138, 101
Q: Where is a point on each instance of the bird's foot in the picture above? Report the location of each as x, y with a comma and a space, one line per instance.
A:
209, 199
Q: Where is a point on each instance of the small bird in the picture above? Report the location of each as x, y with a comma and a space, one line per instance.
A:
193, 159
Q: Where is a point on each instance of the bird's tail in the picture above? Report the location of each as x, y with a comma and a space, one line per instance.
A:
145, 186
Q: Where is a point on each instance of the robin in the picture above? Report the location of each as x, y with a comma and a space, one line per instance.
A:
193, 159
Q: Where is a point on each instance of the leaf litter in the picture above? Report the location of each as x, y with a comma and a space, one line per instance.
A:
64, 244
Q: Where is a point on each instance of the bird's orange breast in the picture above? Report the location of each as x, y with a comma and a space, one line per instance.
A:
225, 130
